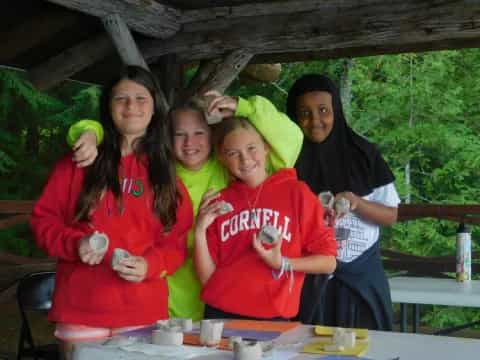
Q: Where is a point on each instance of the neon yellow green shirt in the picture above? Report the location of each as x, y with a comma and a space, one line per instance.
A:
285, 140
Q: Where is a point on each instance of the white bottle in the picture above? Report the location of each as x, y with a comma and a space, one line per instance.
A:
464, 253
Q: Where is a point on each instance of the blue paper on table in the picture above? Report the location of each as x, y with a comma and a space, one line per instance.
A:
251, 334
342, 357
245, 334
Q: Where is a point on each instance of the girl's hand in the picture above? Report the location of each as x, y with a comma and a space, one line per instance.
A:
222, 106
85, 149
87, 254
272, 256
133, 269
209, 210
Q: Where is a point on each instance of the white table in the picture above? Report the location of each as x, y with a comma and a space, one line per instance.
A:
432, 291
382, 346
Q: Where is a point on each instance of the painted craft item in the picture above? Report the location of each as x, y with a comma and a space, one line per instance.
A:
326, 199
269, 235
225, 207
185, 324
247, 350
340, 205
210, 332
168, 335
119, 255
98, 242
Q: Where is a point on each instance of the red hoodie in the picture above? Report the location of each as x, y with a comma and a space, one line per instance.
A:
242, 283
96, 295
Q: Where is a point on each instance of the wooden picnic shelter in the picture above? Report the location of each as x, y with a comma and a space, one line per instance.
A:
88, 40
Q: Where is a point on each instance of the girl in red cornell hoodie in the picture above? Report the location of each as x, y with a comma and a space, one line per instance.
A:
242, 276
131, 194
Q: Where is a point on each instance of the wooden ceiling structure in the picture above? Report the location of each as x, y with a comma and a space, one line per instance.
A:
88, 40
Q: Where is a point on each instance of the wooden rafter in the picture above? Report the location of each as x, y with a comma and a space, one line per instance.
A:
225, 71
34, 31
145, 16
346, 26
201, 75
128, 50
60, 67
221, 13
123, 40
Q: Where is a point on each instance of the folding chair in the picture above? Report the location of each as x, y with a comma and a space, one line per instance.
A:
34, 293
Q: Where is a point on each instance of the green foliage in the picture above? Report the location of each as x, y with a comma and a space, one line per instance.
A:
32, 132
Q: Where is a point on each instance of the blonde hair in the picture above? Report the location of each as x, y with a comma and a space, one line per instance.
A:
227, 126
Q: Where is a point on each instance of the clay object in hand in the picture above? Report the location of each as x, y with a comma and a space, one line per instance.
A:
269, 235
342, 207
119, 255
326, 199
225, 207
98, 242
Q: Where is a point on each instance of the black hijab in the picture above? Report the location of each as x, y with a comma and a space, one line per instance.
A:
344, 161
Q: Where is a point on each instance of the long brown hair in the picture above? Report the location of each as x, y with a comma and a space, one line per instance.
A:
155, 144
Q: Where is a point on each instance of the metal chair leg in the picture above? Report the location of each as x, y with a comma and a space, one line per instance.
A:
403, 317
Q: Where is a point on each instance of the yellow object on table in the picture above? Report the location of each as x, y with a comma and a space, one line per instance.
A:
328, 331
325, 338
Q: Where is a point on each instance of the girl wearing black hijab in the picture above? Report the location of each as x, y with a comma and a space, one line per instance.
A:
334, 158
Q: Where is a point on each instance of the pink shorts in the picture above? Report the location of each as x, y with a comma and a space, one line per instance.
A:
75, 332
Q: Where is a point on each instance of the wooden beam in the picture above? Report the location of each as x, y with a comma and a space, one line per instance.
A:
148, 17
14, 220
205, 69
34, 31
469, 214
332, 28
123, 40
58, 68
170, 76
226, 13
128, 50
365, 51
226, 71
16, 206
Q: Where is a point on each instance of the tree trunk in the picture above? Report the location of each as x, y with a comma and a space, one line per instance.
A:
408, 197
346, 87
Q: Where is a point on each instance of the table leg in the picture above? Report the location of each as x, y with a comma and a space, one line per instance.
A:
416, 317
403, 317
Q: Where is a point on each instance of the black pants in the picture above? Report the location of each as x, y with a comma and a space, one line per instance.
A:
214, 313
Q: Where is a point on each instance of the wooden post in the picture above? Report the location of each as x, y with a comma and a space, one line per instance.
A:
128, 50
225, 71
123, 40
170, 76
205, 68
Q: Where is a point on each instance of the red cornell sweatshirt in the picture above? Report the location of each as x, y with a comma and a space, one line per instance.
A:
96, 295
242, 282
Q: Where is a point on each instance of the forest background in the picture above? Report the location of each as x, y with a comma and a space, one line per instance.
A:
421, 109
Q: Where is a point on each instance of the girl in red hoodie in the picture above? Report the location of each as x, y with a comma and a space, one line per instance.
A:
131, 194
242, 276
